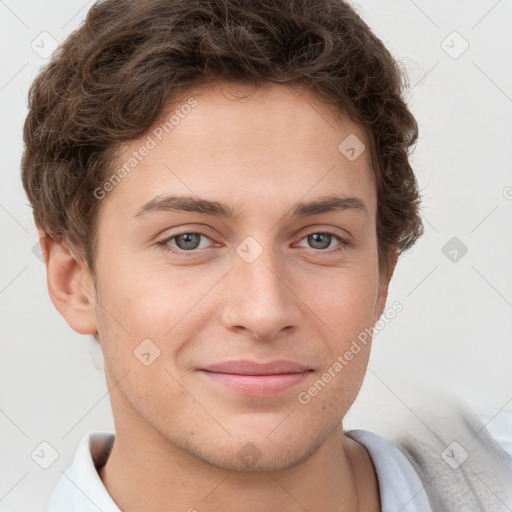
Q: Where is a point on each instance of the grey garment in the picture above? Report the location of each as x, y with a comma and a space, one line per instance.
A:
400, 487
460, 464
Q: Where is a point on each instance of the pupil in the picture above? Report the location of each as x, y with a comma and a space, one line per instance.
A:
184, 241
317, 238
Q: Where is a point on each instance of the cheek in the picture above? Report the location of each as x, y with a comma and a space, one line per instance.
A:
156, 312
144, 304
345, 301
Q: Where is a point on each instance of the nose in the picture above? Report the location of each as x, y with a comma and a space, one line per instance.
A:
260, 297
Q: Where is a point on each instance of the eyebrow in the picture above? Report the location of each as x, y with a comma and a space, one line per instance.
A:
217, 209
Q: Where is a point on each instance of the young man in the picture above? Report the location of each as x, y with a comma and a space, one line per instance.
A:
222, 190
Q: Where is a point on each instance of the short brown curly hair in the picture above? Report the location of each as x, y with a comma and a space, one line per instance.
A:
110, 81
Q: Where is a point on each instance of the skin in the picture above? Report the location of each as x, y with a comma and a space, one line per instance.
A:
178, 435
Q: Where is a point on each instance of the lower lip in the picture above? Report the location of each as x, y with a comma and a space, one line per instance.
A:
257, 385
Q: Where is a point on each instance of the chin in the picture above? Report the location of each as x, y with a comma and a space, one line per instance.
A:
260, 455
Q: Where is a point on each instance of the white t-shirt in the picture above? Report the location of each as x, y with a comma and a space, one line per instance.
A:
80, 489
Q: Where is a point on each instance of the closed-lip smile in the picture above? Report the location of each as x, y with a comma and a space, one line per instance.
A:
257, 379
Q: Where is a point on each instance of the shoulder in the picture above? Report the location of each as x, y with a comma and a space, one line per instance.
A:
400, 486
498, 422
80, 488
461, 453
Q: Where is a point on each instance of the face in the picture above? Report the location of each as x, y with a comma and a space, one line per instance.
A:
219, 320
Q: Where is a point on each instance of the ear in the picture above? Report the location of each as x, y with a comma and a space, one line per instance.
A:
70, 285
384, 279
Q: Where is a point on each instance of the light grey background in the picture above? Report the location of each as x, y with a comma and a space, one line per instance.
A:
455, 330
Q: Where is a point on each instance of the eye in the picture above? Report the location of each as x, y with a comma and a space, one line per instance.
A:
184, 242
322, 240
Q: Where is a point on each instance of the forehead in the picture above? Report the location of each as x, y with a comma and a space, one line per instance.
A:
229, 142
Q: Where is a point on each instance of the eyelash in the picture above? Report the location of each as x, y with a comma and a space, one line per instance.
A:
343, 244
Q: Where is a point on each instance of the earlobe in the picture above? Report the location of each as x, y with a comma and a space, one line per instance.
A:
70, 285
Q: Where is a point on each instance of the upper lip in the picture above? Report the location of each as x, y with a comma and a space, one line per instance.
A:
246, 367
